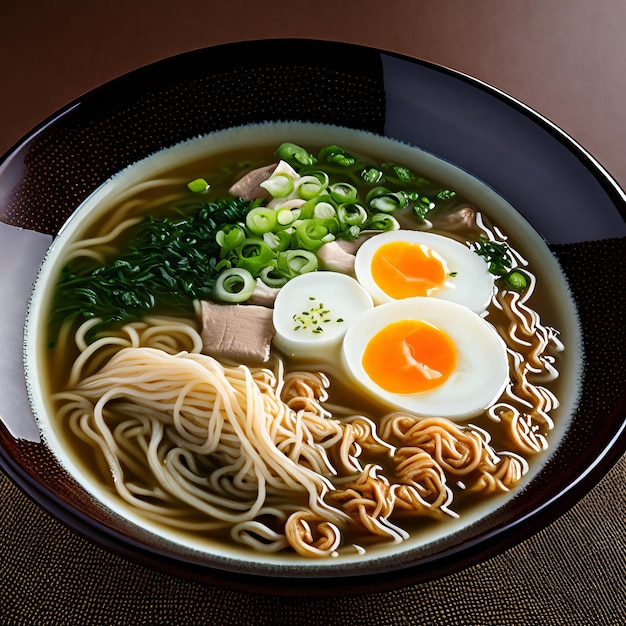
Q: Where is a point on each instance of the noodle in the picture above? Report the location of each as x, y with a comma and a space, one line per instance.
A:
274, 457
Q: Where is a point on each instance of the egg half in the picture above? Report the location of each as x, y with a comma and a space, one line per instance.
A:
313, 311
405, 263
427, 356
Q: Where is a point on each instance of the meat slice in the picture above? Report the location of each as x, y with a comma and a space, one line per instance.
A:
237, 333
333, 257
249, 187
263, 295
460, 219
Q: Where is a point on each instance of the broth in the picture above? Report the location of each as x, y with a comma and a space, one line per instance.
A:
222, 166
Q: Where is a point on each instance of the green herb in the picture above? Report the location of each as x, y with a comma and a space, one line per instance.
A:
312, 318
496, 254
170, 261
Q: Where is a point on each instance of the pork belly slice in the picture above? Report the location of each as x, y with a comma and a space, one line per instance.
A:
237, 333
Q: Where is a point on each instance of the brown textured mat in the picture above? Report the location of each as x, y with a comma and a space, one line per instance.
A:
572, 573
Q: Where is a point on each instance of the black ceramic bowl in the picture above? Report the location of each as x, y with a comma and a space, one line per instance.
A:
572, 203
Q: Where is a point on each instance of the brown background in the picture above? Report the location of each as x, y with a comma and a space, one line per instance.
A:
565, 58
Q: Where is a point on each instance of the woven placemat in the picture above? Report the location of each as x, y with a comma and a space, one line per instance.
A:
570, 573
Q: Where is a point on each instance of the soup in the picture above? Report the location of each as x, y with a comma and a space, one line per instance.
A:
314, 349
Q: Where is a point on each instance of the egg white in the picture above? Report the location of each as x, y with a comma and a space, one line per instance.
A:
470, 283
294, 309
481, 373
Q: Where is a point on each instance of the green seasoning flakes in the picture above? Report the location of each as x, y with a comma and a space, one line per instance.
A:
314, 318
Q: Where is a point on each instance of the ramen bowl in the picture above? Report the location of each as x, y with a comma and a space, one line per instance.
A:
475, 139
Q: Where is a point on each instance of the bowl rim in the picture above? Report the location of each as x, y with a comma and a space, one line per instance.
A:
486, 545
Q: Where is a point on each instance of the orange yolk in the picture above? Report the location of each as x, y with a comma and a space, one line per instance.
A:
403, 269
409, 356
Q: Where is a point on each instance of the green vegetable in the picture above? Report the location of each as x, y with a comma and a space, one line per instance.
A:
292, 263
279, 185
294, 154
312, 234
337, 155
261, 220
385, 200
343, 192
229, 237
496, 254
384, 222
517, 280
311, 185
253, 255
199, 185
351, 214
234, 285
169, 261
399, 172
372, 175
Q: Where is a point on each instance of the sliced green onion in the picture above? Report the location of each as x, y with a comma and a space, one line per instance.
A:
385, 200
199, 185
278, 184
311, 185
351, 232
234, 285
254, 254
343, 192
421, 204
279, 240
446, 194
285, 217
272, 277
324, 210
402, 173
372, 175
312, 234
261, 220
294, 154
224, 264
229, 237
384, 222
337, 155
307, 210
295, 262
351, 214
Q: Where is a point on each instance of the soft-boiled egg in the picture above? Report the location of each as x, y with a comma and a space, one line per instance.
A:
427, 356
313, 311
406, 263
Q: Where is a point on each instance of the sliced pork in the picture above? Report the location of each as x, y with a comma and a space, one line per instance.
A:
237, 333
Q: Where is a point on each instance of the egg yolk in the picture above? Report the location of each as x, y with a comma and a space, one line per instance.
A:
409, 356
403, 269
